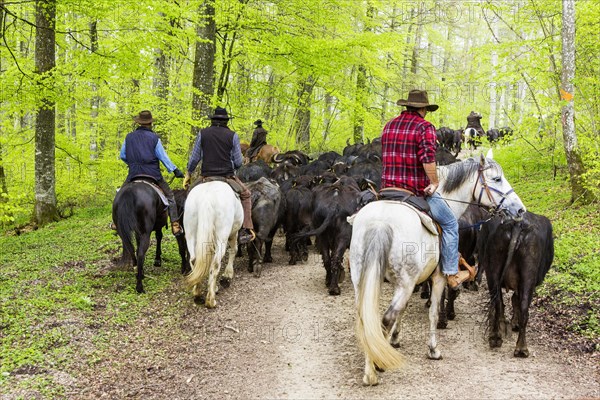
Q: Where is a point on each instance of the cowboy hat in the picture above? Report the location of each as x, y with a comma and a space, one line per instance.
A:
144, 118
418, 99
258, 122
220, 113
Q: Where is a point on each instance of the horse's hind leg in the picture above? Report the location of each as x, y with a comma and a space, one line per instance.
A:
157, 257
143, 244
215, 265
228, 273
438, 283
391, 318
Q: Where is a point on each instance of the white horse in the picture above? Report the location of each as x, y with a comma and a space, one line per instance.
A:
388, 235
213, 217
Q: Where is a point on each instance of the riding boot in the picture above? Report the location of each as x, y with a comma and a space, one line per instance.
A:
246, 234
173, 215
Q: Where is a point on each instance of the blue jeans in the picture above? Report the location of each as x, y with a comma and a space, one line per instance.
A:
443, 215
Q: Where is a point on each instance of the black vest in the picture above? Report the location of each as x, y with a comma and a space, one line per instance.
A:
217, 144
140, 148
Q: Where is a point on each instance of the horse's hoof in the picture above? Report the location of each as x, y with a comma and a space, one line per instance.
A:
521, 353
225, 283
435, 354
257, 271
199, 300
451, 316
335, 291
370, 380
157, 263
210, 304
495, 342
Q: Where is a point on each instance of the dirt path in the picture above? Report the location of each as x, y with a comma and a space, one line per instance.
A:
282, 336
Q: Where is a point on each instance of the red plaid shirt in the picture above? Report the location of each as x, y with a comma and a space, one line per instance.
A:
408, 141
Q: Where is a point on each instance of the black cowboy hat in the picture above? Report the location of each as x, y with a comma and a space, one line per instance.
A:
144, 118
220, 113
418, 99
258, 122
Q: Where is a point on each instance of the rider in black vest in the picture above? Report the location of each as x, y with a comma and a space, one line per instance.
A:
219, 149
142, 151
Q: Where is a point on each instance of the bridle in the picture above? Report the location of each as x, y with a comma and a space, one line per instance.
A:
488, 190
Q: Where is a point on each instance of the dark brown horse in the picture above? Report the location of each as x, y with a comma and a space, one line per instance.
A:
138, 209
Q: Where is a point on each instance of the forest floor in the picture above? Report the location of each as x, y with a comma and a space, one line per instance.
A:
282, 336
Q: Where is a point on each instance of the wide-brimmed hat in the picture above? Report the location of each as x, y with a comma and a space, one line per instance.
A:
144, 118
220, 113
418, 99
258, 122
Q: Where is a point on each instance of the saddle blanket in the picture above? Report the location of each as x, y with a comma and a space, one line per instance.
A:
426, 220
157, 189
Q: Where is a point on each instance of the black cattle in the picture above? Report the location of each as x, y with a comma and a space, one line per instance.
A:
515, 255
449, 139
330, 157
284, 172
444, 157
370, 170
332, 204
351, 149
294, 157
298, 217
494, 135
315, 168
267, 213
472, 138
254, 171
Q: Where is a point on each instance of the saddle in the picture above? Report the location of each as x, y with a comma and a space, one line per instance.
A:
416, 203
154, 186
231, 182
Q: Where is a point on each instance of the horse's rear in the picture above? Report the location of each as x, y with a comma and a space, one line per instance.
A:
213, 216
390, 235
516, 256
138, 209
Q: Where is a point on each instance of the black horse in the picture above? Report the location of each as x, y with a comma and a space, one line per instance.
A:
138, 209
515, 255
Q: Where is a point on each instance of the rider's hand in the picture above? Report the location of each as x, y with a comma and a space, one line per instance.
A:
186, 180
178, 173
429, 190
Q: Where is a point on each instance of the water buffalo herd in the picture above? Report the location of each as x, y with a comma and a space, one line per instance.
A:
310, 198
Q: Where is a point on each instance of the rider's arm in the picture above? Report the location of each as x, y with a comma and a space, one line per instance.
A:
123, 154
160, 153
196, 155
427, 147
236, 152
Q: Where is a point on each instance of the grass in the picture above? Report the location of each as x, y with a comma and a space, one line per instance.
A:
58, 285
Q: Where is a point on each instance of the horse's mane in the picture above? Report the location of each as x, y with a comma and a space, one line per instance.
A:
455, 175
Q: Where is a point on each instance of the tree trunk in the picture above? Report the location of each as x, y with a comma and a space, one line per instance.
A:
574, 161
45, 195
204, 64
359, 105
303, 113
95, 102
3, 187
329, 101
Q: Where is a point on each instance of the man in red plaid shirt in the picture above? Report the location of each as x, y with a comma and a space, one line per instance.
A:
408, 150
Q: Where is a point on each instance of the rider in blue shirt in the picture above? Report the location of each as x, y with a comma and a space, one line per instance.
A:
142, 151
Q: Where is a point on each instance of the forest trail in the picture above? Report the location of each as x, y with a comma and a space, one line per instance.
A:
282, 336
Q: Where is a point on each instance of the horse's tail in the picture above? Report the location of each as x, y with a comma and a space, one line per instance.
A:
204, 249
127, 220
368, 321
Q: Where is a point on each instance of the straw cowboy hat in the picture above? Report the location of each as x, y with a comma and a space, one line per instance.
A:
418, 99
144, 118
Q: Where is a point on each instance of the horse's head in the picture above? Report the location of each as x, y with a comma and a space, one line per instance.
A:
493, 190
